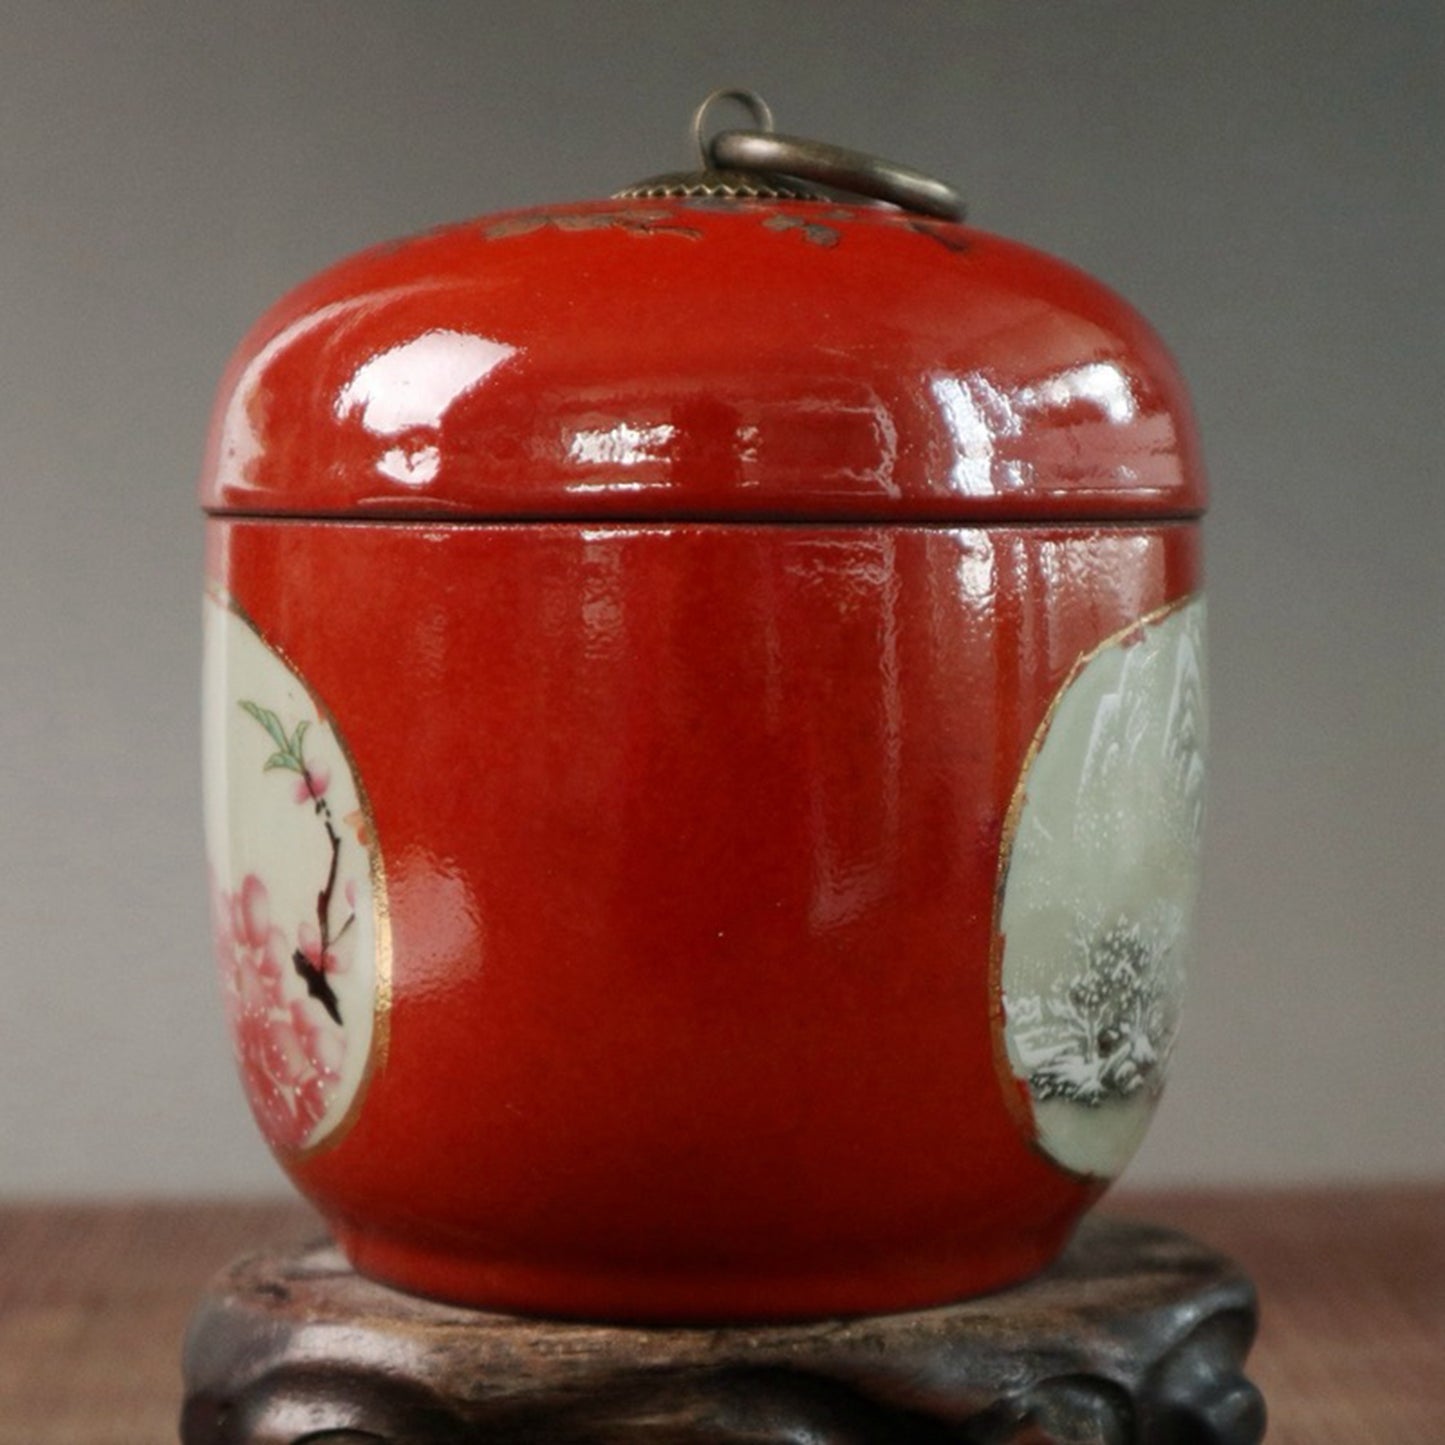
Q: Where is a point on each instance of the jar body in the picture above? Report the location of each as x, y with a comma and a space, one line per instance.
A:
627, 933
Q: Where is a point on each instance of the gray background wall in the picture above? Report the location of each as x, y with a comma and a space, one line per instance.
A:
1262, 179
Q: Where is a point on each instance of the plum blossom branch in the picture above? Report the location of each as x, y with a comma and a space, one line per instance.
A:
313, 962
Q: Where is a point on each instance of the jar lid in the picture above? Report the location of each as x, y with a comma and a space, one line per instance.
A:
725, 347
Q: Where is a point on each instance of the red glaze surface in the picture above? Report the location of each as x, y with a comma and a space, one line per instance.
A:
671, 359
692, 839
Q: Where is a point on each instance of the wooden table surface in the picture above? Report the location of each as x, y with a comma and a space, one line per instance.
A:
94, 1298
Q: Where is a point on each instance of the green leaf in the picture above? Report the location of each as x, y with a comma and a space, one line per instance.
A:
296, 741
281, 760
270, 722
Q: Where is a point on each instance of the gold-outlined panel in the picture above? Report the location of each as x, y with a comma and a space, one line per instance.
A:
1018, 1098
382, 987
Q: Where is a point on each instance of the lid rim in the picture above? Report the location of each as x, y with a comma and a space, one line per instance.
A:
775, 518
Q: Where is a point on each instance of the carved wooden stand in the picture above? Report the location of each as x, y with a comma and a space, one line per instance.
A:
1137, 1336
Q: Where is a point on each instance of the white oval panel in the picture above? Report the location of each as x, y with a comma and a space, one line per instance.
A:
1097, 915
296, 890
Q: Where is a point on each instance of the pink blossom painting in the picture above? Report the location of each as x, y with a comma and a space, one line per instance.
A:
293, 898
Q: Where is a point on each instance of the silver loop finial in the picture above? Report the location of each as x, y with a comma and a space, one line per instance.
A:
782, 160
750, 101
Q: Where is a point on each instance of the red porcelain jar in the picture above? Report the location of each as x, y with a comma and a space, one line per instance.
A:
703, 738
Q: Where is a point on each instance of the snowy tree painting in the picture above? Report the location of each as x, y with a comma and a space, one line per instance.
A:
1098, 901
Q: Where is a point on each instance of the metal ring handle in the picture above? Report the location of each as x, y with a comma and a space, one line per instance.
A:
828, 165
